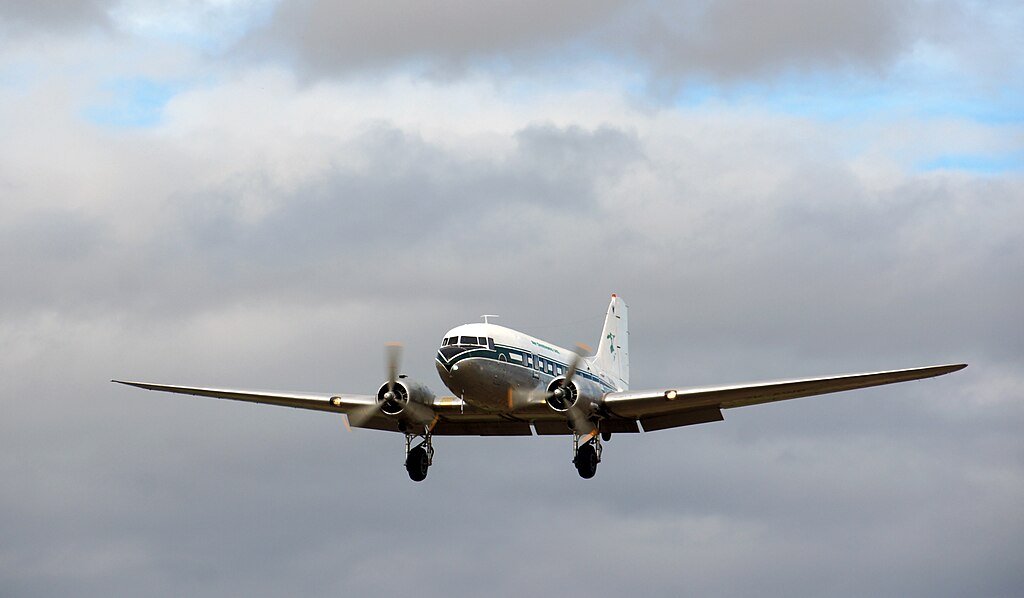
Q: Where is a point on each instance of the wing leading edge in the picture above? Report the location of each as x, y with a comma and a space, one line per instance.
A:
661, 407
302, 400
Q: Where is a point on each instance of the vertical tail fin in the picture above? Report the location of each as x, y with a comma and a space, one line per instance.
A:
613, 351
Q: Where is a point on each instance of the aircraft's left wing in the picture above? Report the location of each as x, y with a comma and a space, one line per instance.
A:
671, 407
338, 403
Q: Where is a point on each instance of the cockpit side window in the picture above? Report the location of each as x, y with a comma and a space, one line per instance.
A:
490, 343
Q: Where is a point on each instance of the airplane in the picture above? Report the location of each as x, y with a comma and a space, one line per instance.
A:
507, 383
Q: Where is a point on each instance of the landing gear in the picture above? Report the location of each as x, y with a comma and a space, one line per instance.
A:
418, 458
587, 455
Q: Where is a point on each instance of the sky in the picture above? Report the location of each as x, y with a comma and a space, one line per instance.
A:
262, 194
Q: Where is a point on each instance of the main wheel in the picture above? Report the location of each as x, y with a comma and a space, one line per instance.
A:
586, 461
416, 463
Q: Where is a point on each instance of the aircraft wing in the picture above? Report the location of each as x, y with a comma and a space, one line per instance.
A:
337, 403
671, 407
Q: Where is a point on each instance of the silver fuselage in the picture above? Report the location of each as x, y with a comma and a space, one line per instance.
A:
503, 363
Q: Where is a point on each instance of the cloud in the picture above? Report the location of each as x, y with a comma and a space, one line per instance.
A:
739, 38
270, 231
672, 43
330, 36
61, 15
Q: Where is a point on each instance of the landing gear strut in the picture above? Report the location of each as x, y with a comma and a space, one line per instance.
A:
587, 454
418, 458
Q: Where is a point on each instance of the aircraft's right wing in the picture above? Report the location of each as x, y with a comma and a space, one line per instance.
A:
671, 407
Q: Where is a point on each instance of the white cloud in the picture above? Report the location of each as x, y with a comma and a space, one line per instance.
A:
272, 231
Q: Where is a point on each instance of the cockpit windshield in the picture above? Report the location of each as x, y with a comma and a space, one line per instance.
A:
468, 341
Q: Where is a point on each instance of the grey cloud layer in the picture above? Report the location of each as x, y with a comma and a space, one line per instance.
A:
740, 38
251, 240
726, 40
333, 36
731, 40
747, 251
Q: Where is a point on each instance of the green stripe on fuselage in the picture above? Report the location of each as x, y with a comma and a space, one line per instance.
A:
507, 351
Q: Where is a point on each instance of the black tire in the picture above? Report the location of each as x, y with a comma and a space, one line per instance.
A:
586, 461
417, 463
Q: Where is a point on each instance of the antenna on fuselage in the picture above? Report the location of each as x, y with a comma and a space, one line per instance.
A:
485, 316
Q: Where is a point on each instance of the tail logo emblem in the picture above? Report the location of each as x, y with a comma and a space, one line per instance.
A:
611, 343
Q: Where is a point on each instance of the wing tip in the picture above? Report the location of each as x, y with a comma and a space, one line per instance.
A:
942, 370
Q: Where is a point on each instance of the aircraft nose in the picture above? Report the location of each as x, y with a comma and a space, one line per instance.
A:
451, 351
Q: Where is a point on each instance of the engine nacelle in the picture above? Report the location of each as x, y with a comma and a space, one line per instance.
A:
580, 393
408, 401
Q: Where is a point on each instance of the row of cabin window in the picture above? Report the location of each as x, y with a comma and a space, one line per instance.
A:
555, 370
483, 341
473, 341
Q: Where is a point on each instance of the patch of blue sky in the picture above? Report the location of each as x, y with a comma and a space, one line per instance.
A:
976, 163
133, 102
812, 96
843, 97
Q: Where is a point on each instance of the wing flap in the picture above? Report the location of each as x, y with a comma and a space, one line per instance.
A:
682, 418
643, 403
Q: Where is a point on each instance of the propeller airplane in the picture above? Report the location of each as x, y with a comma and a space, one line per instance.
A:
507, 383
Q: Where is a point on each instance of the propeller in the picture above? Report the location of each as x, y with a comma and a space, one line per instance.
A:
392, 359
522, 398
577, 419
562, 392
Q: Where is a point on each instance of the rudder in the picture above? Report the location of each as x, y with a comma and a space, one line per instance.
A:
613, 351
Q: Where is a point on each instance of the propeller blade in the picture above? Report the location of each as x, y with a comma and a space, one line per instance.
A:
576, 359
393, 357
522, 398
363, 414
579, 421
